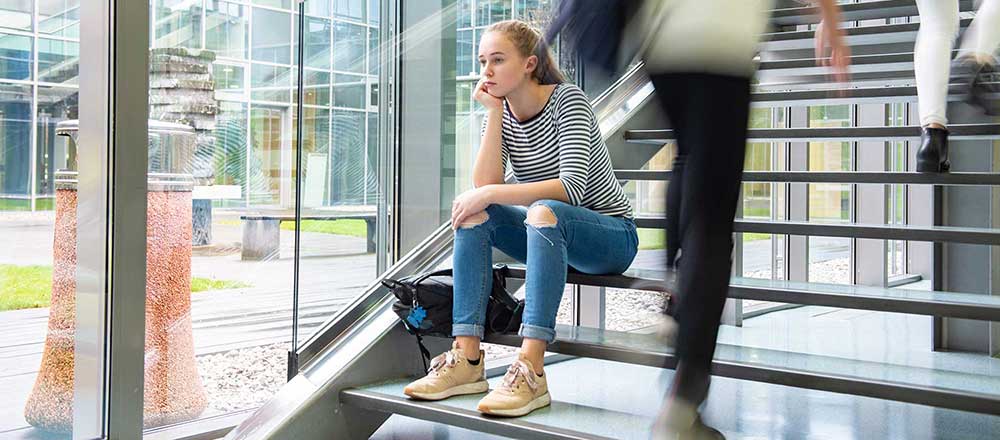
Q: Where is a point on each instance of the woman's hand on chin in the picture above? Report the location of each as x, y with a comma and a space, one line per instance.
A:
482, 94
469, 203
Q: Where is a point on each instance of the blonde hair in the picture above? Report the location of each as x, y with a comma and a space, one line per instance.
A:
529, 42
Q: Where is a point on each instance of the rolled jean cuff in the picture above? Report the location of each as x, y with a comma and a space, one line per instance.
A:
468, 330
535, 332
933, 119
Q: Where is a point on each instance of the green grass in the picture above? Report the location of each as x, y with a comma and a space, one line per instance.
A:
24, 287
203, 284
657, 239
28, 287
349, 227
652, 239
25, 205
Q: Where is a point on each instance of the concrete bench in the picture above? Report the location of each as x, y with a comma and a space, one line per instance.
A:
262, 232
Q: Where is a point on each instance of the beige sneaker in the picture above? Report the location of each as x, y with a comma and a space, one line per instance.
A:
521, 391
450, 374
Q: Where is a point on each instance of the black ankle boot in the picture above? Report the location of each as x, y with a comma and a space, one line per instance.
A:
975, 79
932, 157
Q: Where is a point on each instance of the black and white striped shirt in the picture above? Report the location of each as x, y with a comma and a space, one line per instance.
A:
564, 141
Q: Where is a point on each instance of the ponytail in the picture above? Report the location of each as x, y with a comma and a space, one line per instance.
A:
529, 42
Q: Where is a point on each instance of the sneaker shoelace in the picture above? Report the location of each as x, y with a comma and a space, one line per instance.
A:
519, 369
446, 359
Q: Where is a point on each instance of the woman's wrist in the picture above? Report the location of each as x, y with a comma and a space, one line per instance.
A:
489, 192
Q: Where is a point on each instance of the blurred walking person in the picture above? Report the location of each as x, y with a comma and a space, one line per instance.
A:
700, 59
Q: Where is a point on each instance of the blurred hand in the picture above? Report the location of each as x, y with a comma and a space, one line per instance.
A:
485, 98
832, 51
468, 204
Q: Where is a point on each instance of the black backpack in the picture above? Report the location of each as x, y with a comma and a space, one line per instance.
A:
424, 304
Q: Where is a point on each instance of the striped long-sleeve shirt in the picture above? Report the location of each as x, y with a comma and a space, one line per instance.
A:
564, 141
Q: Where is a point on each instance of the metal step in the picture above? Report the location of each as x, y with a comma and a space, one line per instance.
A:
561, 420
936, 387
855, 36
857, 230
769, 71
846, 134
917, 302
861, 177
793, 13
851, 95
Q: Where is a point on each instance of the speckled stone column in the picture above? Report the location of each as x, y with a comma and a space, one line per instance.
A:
173, 390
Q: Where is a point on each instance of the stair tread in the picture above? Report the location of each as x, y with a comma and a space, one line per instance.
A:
853, 36
848, 95
798, 14
935, 303
937, 387
954, 234
560, 420
956, 131
860, 177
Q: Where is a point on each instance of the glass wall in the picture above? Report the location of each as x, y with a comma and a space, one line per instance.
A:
228, 70
39, 319
830, 258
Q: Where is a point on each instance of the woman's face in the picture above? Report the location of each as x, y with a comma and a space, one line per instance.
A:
501, 65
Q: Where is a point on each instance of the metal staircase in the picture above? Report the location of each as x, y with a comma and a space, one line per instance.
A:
354, 369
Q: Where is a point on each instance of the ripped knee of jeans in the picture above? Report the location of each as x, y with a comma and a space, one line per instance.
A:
541, 216
474, 220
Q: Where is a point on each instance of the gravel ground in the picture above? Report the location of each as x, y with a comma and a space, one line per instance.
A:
246, 378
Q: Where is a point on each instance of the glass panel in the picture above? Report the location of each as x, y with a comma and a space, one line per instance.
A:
15, 145
282, 4
16, 14
271, 83
349, 47
317, 88
15, 57
349, 91
348, 158
350, 9
466, 61
227, 29
492, 11
373, 51
373, 12
236, 291
231, 155
896, 194
317, 43
59, 18
55, 104
38, 314
830, 258
272, 36
318, 7
178, 24
230, 81
58, 61
270, 136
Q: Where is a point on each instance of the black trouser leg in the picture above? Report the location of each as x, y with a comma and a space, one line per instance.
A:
709, 114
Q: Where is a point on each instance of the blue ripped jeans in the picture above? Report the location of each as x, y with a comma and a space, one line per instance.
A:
589, 242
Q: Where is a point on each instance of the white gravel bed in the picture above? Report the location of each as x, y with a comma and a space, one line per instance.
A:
243, 378
246, 378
